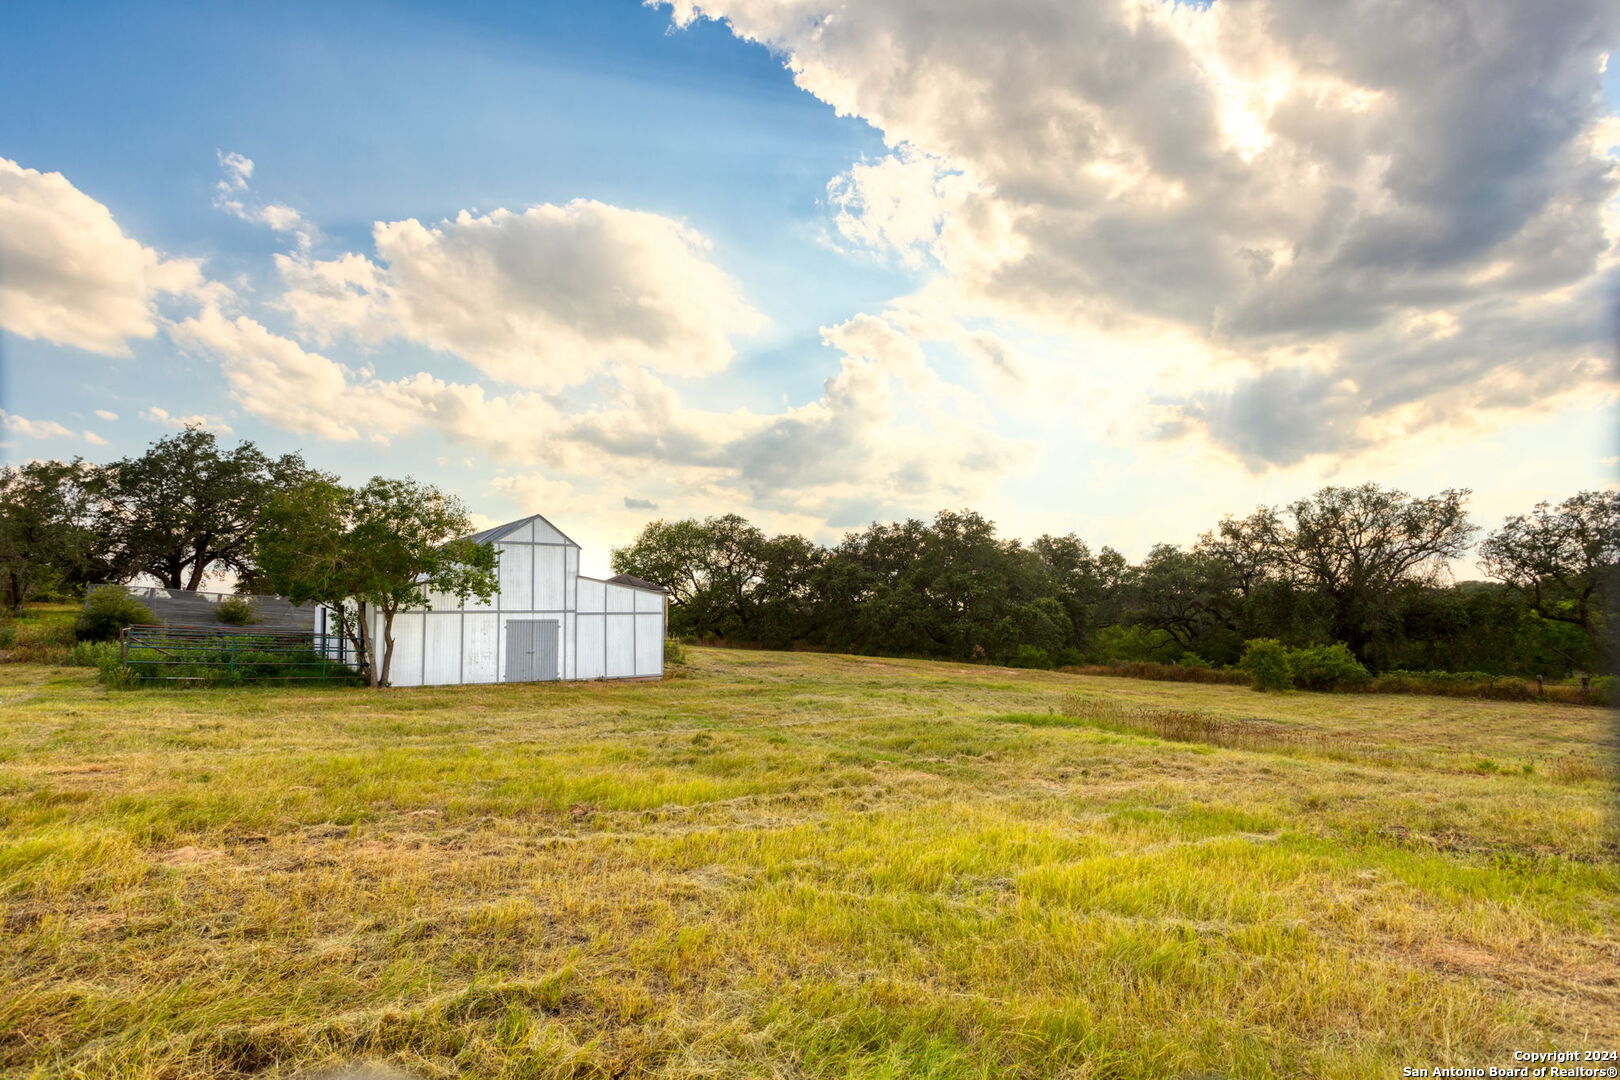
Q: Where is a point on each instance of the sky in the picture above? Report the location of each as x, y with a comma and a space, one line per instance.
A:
1117, 269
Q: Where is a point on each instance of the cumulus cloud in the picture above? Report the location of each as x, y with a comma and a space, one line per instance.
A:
887, 430
33, 429
233, 194
157, 414
106, 414
547, 297
69, 274
1312, 191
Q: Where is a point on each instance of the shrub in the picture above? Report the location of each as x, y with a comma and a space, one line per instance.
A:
237, 611
1031, 656
674, 651
106, 612
1068, 656
1327, 667
1266, 661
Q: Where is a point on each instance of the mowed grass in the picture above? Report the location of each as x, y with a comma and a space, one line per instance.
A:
796, 865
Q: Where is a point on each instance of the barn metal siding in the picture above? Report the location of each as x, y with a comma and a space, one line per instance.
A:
602, 629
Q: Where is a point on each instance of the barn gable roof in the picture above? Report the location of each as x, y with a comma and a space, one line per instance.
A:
490, 535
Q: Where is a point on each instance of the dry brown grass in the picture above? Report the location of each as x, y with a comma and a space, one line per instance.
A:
797, 866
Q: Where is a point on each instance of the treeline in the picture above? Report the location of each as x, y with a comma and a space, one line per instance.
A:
1364, 566
188, 510
185, 509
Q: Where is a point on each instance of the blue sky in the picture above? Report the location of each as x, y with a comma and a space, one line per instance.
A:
888, 263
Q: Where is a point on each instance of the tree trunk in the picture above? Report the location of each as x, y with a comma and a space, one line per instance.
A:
369, 653
196, 579
388, 645
349, 631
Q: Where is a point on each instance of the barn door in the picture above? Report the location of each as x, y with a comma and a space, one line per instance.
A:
531, 650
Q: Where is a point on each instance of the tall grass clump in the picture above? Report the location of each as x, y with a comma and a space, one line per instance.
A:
91, 654
41, 634
1465, 684
1181, 671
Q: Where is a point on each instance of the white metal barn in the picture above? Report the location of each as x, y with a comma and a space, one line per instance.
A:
546, 622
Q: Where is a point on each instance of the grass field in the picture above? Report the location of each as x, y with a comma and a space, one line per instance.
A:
794, 865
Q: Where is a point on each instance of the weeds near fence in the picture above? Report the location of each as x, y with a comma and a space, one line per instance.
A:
212, 657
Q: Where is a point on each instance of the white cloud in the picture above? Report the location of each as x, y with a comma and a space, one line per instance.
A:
33, 429
93, 439
548, 297
887, 431
899, 202
233, 192
1303, 194
106, 414
277, 380
71, 275
157, 414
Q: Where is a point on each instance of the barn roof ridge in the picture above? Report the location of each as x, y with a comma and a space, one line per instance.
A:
495, 532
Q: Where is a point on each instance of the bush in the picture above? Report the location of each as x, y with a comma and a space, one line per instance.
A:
1327, 667
8, 635
674, 651
237, 611
1068, 656
1266, 661
106, 612
1031, 656
91, 654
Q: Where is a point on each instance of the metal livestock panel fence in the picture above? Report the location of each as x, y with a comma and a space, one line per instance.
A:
232, 656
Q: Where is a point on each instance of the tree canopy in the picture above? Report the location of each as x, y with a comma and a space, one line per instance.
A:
187, 507
1366, 566
386, 546
47, 528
